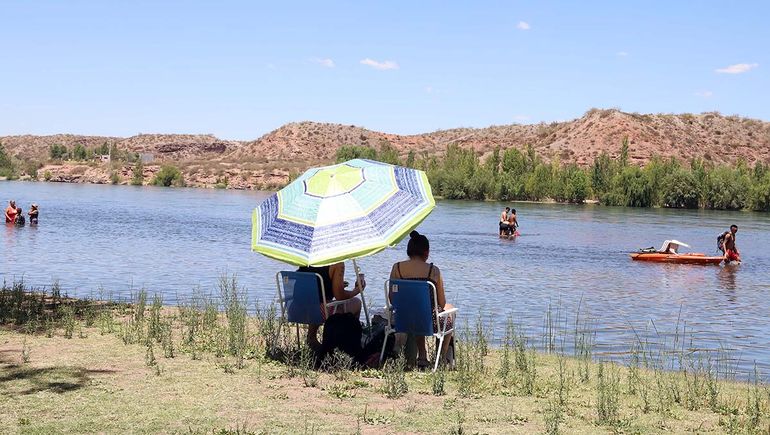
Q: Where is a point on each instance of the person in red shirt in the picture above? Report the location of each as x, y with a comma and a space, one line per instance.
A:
10, 212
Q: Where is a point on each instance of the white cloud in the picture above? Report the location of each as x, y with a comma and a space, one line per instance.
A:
387, 64
523, 25
270, 66
328, 63
704, 94
429, 89
621, 54
738, 68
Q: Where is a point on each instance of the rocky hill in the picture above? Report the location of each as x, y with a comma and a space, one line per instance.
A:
295, 146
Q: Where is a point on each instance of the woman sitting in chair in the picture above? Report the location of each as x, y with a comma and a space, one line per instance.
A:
333, 278
418, 268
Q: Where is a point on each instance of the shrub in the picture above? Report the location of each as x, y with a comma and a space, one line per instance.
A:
168, 176
138, 177
680, 190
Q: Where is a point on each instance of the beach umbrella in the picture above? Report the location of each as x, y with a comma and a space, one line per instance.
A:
341, 212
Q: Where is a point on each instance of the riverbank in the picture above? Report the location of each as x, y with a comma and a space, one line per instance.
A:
73, 366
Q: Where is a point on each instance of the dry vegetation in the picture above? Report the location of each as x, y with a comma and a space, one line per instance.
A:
206, 160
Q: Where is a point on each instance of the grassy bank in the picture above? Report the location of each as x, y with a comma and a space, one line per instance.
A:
207, 366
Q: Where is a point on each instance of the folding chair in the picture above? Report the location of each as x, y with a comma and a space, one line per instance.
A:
302, 297
410, 311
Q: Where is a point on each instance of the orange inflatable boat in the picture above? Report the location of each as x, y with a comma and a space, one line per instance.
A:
689, 258
669, 254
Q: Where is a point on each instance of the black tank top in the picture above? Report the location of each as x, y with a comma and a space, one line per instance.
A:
326, 279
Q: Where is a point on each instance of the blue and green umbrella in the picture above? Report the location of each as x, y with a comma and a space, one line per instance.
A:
341, 212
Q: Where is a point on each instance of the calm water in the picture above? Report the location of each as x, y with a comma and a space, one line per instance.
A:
571, 258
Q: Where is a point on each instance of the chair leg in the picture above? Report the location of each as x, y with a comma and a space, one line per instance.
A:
438, 352
384, 345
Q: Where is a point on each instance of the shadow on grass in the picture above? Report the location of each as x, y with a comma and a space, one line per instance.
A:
19, 379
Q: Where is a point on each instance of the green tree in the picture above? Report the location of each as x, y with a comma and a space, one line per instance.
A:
7, 167
759, 199
623, 160
138, 177
167, 176
602, 172
410, 159
680, 189
539, 182
388, 154
79, 152
630, 188
726, 189
350, 152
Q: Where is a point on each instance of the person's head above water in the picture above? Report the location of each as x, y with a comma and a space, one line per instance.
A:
12, 203
507, 209
733, 228
513, 210
418, 246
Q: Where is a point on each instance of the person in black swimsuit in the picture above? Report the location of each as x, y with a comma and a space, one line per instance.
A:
33, 212
333, 278
418, 268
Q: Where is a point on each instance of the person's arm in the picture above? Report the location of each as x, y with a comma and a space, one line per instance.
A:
337, 273
440, 297
7, 216
724, 246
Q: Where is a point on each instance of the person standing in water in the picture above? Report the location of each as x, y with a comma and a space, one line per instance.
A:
10, 212
33, 212
20, 219
513, 223
504, 227
728, 246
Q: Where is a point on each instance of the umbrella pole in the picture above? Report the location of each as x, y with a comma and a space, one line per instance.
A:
363, 298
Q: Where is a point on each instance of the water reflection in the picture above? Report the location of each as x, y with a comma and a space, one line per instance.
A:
727, 277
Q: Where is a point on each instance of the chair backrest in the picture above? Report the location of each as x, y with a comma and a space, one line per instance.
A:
300, 294
410, 301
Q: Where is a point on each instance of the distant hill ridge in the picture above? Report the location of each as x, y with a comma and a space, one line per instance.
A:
712, 136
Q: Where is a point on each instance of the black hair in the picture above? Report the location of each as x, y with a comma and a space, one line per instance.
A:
513, 210
507, 208
418, 245
734, 226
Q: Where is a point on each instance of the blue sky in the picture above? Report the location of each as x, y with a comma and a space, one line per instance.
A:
241, 69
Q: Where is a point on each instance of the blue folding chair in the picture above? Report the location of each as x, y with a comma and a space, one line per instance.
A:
410, 311
302, 296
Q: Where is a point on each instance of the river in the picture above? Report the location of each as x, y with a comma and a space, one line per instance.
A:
110, 241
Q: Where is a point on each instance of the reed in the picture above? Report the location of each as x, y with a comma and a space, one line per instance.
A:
394, 379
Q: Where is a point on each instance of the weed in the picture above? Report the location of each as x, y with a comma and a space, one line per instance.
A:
25, 352
438, 380
608, 395
68, 319
394, 385
149, 357
553, 416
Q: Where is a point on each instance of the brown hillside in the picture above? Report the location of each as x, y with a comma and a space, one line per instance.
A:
295, 146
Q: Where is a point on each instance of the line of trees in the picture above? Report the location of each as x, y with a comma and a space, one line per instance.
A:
80, 153
514, 174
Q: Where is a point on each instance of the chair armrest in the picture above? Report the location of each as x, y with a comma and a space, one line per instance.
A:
451, 311
334, 303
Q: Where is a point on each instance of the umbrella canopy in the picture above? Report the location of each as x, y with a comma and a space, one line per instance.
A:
339, 212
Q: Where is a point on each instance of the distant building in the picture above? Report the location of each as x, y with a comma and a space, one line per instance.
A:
146, 157
104, 158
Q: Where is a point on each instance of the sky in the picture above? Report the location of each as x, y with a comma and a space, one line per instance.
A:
241, 69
